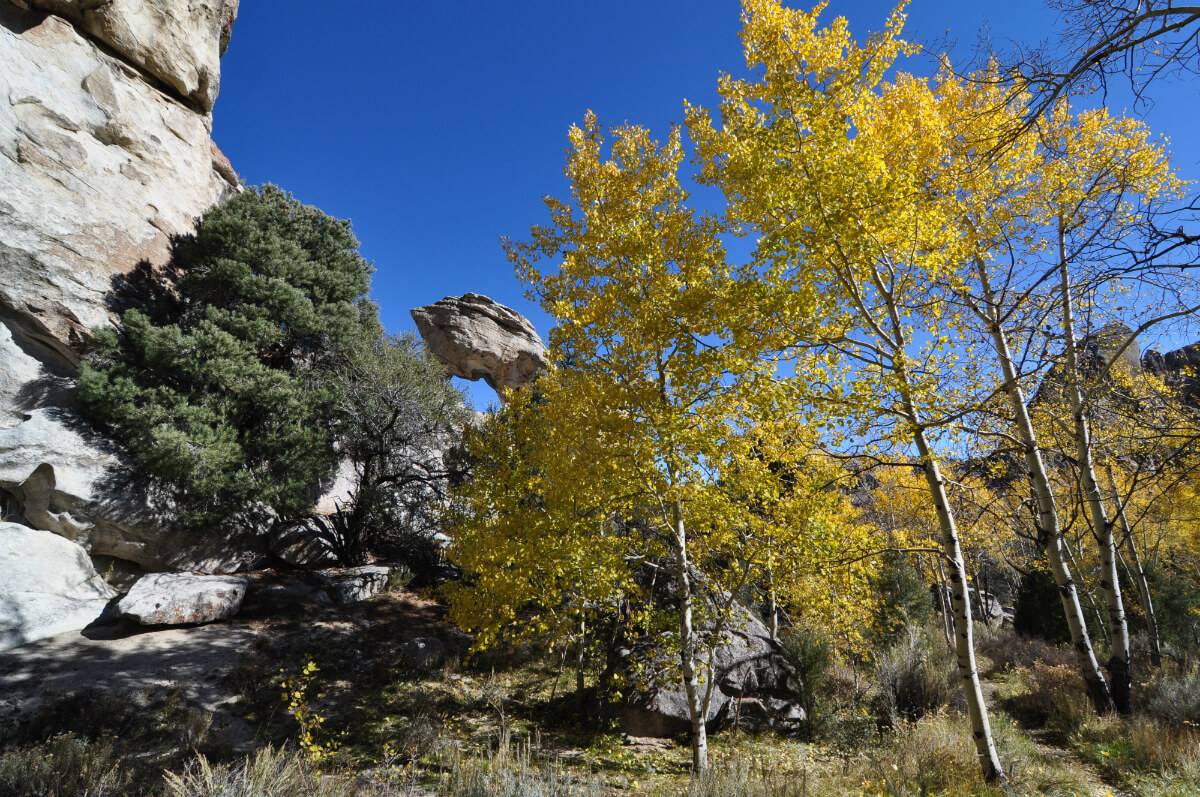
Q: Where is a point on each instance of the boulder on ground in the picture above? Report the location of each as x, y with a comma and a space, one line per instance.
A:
748, 666
48, 586
478, 338
354, 584
183, 598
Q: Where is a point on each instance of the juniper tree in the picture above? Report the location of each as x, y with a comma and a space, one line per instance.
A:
216, 382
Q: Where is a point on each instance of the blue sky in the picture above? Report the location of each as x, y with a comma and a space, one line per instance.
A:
437, 127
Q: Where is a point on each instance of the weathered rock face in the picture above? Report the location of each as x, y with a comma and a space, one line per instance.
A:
99, 169
179, 42
1177, 367
183, 598
105, 153
48, 586
478, 338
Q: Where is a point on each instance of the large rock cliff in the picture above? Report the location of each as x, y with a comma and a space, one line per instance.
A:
105, 154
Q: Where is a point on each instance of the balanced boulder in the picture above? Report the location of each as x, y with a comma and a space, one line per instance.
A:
476, 337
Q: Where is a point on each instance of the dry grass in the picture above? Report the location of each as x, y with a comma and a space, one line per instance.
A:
1004, 650
1049, 696
63, 766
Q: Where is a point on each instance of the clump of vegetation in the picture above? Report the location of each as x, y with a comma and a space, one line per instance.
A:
66, 765
269, 772
1173, 696
395, 414
298, 692
1051, 696
810, 655
511, 770
912, 678
214, 380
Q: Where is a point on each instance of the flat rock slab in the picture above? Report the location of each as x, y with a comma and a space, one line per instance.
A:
195, 661
183, 598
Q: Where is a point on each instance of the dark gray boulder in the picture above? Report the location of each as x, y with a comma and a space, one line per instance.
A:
747, 666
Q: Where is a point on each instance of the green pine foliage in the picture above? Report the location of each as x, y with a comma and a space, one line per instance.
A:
215, 381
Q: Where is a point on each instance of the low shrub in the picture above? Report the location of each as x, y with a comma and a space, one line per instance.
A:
1173, 696
511, 770
1051, 696
1005, 650
913, 677
935, 756
270, 772
744, 778
1121, 747
1182, 781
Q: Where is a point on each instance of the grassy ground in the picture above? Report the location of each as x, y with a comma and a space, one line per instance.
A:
337, 711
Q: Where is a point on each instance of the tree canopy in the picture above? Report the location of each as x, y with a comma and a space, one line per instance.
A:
216, 387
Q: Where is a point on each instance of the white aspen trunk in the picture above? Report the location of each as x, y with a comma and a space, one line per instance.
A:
1139, 575
1120, 658
697, 704
1049, 530
964, 632
964, 647
944, 602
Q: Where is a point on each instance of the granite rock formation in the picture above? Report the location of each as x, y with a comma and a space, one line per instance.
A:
105, 155
476, 337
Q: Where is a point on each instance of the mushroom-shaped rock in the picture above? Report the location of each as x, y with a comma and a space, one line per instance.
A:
478, 338
183, 598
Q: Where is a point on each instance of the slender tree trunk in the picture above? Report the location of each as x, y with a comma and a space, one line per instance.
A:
964, 648
774, 610
1049, 530
964, 632
944, 602
980, 608
1138, 575
697, 703
1119, 661
1085, 591
772, 606
581, 662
